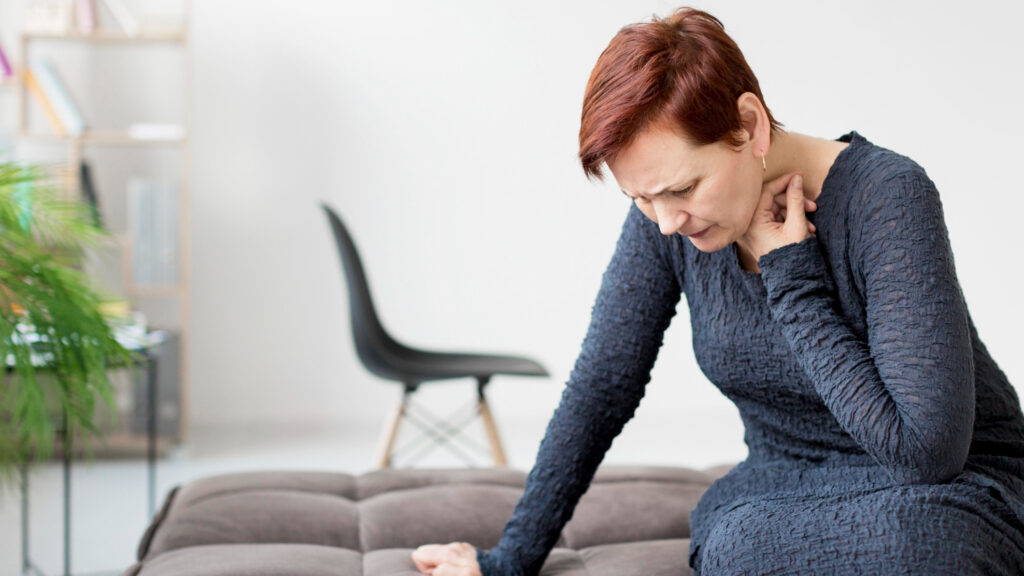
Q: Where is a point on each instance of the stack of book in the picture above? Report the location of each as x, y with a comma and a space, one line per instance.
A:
153, 224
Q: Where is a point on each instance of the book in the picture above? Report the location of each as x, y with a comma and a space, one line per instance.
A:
123, 16
50, 83
153, 225
89, 193
140, 228
5, 67
167, 234
85, 16
33, 87
46, 16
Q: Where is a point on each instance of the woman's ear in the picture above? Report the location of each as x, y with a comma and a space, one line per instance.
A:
754, 121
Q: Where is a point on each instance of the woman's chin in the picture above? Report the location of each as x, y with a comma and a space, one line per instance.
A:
707, 242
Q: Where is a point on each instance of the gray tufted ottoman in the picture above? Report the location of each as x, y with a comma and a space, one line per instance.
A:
633, 520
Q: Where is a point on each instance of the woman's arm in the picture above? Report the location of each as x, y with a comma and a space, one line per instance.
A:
906, 394
635, 304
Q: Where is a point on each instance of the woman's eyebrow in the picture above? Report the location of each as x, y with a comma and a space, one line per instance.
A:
663, 190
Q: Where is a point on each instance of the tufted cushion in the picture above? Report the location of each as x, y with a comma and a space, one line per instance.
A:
632, 520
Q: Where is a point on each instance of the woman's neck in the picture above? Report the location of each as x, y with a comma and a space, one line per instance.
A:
812, 157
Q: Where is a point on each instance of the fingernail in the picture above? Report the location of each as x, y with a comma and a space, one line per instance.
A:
799, 181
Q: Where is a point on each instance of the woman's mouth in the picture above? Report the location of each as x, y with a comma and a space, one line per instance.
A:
698, 234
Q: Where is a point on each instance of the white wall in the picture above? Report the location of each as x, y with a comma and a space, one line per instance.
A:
445, 132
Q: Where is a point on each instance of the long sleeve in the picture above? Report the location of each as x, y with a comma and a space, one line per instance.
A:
635, 304
906, 394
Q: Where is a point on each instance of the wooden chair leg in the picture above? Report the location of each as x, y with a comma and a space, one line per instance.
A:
390, 433
492, 430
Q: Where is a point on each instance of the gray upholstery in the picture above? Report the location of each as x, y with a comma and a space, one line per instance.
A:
633, 520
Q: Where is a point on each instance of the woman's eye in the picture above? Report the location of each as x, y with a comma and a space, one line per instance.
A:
674, 193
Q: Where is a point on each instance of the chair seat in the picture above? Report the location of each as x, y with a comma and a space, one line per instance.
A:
425, 365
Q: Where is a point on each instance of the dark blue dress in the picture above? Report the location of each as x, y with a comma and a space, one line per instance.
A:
883, 438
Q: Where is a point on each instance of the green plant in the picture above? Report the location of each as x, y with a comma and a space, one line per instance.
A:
50, 320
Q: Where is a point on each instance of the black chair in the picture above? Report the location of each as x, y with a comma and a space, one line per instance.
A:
384, 356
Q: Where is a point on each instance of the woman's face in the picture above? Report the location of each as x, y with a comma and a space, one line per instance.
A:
707, 193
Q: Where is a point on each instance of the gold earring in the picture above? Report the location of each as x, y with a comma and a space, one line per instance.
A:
764, 163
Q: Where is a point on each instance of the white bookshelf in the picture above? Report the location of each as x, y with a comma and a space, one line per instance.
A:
30, 131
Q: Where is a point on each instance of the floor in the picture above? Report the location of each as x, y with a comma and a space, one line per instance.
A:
109, 498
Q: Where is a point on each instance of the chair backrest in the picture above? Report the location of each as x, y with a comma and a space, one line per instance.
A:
373, 344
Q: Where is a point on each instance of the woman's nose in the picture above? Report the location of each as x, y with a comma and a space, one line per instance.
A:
670, 218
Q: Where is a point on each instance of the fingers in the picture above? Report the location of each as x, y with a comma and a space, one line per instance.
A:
779, 192
770, 189
452, 570
780, 184
781, 200
454, 559
427, 557
781, 218
796, 219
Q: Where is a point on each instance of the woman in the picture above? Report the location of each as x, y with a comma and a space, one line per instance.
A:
824, 302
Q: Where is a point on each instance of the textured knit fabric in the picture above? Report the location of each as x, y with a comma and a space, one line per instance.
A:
882, 436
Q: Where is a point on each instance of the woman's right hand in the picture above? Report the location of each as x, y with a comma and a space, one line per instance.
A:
455, 559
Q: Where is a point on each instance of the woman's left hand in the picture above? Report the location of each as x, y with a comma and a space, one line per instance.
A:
454, 559
781, 217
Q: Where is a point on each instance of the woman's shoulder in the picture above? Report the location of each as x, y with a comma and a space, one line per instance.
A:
865, 164
888, 204
872, 184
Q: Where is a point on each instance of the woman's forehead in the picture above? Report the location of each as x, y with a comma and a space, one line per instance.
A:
655, 160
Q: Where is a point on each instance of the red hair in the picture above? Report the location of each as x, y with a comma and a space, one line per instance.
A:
683, 71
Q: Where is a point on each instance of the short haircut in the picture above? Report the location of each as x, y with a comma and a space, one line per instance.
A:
683, 72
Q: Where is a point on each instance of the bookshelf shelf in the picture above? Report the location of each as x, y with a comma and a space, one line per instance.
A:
105, 37
105, 138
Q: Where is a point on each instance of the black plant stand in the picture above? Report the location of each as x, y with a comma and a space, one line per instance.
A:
27, 565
